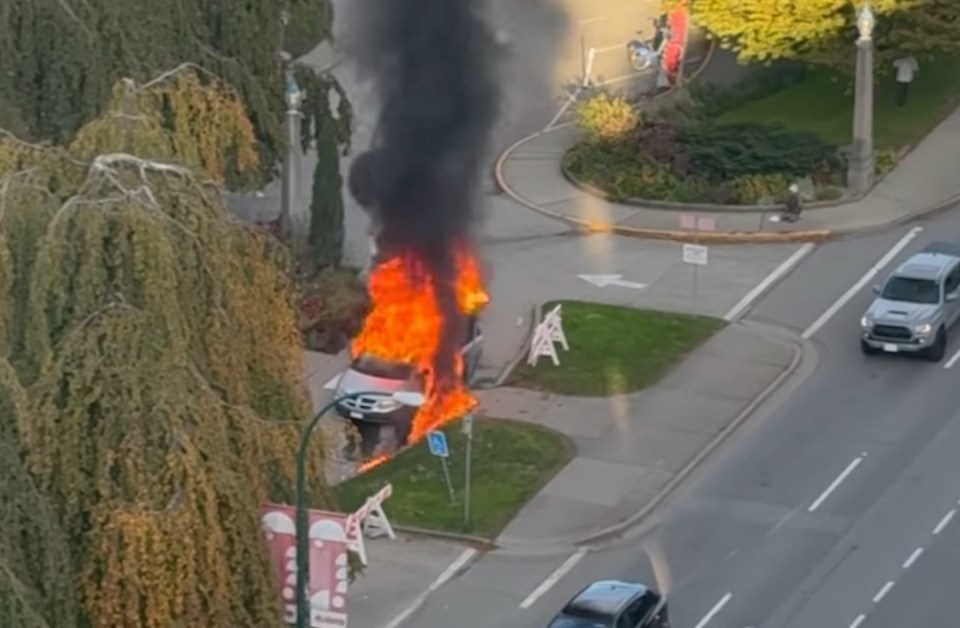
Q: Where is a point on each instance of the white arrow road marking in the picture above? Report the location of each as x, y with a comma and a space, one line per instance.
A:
602, 281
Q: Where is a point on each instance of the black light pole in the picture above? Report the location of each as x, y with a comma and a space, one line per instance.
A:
412, 399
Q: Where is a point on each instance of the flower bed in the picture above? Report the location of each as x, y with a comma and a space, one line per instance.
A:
688, 159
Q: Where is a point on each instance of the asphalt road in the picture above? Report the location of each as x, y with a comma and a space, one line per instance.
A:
833, 506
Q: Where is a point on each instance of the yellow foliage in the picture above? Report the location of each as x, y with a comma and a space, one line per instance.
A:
199, 123
607, 117
762, 30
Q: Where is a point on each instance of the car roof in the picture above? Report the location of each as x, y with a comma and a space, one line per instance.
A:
925, 266
606, 597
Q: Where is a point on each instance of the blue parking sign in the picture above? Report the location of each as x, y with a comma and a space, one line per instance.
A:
437, 441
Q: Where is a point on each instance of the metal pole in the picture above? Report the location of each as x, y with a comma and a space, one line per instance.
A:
466, 482
302, 528
301, 522
288, 189
446, 476
861, 172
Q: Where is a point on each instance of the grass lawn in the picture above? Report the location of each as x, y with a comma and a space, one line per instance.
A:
615, 349
511, 461
819, 104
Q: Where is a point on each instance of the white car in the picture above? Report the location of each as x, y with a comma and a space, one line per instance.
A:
381, 379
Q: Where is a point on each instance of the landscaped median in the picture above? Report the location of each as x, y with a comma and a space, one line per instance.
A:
615, 349
743, 146
510, 462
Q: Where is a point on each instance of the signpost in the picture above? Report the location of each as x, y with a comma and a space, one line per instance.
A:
695, 254
437, 441
468, 432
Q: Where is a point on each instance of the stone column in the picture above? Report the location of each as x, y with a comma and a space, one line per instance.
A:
860, 174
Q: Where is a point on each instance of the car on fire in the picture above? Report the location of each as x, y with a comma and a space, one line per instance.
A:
380, 379
614, 604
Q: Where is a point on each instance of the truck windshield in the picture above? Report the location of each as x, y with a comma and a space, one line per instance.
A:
375, 367
910, 290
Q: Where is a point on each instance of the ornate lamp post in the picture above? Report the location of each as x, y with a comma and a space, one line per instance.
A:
290, 228
860, 173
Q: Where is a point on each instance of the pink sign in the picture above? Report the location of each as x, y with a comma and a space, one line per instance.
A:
329, 571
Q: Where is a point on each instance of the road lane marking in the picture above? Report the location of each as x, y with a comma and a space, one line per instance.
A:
448, 573
883, 591
855, 288
836, 482
913, 558
859, 620
591, 20
944, 522
553, 578
713, 611
952, 361
759, 289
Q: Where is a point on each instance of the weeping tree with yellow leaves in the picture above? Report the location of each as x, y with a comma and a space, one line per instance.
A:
149, 372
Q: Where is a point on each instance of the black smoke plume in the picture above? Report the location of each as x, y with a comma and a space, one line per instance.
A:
434, 67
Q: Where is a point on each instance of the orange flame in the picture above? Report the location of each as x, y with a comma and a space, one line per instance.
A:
405, 324
373, 462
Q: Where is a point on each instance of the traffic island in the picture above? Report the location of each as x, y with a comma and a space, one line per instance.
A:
614, 349
510, 462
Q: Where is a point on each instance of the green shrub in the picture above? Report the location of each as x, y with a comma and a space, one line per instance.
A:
884, 160
723, 152
760, 189
614, 168
828, 193
332, 307
657, 142
606, 117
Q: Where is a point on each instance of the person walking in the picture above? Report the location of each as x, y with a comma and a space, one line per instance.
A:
907, 69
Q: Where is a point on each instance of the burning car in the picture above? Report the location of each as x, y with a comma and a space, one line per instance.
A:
414, 340
381, 378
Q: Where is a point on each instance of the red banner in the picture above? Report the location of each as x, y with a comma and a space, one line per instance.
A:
677, 23
329, 571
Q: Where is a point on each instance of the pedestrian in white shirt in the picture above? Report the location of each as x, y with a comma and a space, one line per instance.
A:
907, 69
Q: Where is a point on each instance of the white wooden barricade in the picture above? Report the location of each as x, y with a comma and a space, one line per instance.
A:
371, 520
545, 336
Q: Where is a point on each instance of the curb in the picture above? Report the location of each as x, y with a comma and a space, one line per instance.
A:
681, 476
704, 453
466, 539
505, 373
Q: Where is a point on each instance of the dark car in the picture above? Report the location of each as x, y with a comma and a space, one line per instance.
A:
614, 604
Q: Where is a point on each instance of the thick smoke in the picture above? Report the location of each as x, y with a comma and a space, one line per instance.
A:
434, 66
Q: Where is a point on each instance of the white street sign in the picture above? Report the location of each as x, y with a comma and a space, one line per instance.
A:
602, 281
695, 254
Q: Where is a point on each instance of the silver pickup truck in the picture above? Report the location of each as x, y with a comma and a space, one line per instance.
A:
916, 306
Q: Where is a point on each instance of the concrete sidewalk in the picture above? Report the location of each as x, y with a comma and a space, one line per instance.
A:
633, 449
923, 182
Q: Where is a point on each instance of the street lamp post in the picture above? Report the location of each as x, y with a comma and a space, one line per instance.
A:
411, 399
290, 226
860, 173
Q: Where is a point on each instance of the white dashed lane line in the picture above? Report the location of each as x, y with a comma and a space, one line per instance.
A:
907, 564
713, 611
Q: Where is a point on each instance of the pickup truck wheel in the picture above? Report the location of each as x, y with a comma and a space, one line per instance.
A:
866, 348
939, 347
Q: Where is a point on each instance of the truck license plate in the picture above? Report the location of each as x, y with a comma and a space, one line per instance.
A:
356, 415
890, 348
